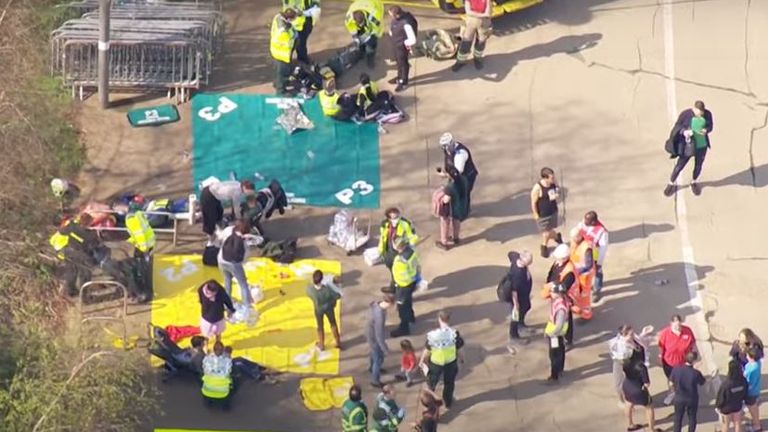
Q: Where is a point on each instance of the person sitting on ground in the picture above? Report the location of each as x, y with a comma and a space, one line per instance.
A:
370, 101
217, 363
242, 366
338, 106
197, 353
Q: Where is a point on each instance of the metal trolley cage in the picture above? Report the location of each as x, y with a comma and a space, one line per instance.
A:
152, 47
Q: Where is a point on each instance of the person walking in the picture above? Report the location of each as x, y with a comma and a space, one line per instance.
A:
675, 341
555, 331
393, 227
520, 282
746, 340
752, 374
393, 413
324, 294
563, 274
282, 41
212, 200
375, 335
544, 196
476, 30
686, 381
635, 389
213, 300
730, 398
457, 155
354, 413
403, 30
695, 125
593, 230
364, 21
406, 272
307, 12
441, 355
407, 363
231, 257
453, 210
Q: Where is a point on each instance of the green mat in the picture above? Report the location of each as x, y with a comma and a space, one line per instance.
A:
336, 164
153, 116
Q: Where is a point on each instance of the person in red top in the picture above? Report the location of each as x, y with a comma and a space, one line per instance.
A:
675, 341
407, 363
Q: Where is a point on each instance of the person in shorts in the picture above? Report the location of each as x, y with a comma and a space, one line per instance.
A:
544, 196
752, 374
213, 301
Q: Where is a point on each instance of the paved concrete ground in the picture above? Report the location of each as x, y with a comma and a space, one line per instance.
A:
578, 85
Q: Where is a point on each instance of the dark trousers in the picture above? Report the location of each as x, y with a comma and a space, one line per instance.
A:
515, 326
470, 185
302, 54
405, 307
680, 410
142, 271
369, 47
448, 372
403, 67
74, 276
389, 257
569, 333
597, 286
682, 161
282, 72
557, 358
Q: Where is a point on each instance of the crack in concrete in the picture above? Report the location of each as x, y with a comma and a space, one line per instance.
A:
754, 130
653, 20
746, 46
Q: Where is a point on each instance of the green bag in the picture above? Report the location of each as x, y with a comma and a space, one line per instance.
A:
153, 116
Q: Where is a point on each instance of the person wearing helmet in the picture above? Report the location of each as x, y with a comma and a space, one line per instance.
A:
457, 155
563, 275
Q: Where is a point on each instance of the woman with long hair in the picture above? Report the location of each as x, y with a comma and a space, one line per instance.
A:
731, 396
747, 339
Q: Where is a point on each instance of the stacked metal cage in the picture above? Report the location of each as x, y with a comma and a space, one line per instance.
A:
153, 46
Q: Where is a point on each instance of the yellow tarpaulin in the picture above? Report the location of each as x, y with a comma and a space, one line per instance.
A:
285, 334
320, 394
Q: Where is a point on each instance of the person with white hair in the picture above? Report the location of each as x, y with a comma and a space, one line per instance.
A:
457, 155
563, 275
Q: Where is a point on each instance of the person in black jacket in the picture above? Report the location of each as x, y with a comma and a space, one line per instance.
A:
635, 388
731, 396
213, 300
402, 30
690, 138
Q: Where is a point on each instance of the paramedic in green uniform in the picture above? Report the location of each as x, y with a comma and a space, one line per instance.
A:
696, 125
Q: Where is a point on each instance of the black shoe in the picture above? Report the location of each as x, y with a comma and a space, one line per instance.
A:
400, 87
670, 190
398, 332
393, 80
696, 188
544, 251
377, 384
478, 63
559, 238
457, 66
596, 297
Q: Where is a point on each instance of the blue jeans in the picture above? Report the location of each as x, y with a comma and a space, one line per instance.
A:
236, 270
376, 359
597, 286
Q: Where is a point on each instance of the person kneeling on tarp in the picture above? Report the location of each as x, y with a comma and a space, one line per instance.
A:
217, 380
339, 106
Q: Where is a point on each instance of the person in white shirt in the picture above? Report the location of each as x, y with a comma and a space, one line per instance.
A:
593, 230
212, 199
402, 31
217, 363
458, 156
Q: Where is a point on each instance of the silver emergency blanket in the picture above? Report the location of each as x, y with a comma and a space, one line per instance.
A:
292, 117
344, 232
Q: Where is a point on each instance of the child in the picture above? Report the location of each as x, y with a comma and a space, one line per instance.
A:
752, 374
431, 413
407, 363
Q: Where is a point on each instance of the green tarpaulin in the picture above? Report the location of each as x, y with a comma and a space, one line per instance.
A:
335, 164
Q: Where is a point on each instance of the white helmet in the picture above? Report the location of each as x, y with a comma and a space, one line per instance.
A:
59, 187
561, 252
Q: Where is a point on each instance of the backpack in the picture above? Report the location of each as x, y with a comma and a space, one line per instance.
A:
211, 256
504, 289
478, 6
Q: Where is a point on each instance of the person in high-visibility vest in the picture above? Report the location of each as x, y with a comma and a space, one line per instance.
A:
281, 45
584, 262
555, 330
74, 246
354, 413
441, 355
593, 230
142, 237
387, 415
394, 226
563, 273
308, 12
329, 98
406, 272
364, 21
217, 380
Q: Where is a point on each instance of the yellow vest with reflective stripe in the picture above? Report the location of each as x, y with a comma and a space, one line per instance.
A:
374, 14
281, 40
362, 95
348, 417
142, 234
329, 103
442, 346
216, 387
404, 229
60, 241
404, 272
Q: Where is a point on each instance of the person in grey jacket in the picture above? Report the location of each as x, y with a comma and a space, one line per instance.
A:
375, 333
